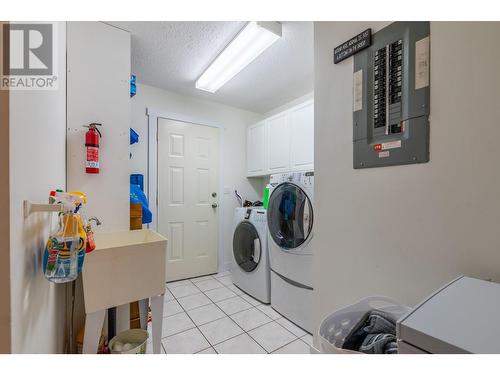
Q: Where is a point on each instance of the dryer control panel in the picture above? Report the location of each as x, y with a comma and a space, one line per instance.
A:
259, 215
301, 178
391, 97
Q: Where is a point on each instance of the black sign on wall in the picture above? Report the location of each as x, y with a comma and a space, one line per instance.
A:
352, 46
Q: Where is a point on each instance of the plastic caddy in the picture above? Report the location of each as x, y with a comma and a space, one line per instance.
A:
336, 326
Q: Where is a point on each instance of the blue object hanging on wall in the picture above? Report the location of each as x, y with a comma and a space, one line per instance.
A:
138, 196
137, 179
133, 87
134, 137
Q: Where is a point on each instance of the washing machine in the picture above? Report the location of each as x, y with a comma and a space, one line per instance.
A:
290, 218
250, 269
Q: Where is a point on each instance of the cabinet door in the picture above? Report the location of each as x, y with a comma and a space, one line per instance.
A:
256, 149
302, 137
278, 144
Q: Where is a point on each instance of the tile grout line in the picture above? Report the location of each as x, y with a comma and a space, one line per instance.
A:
281, 325
196, 325
191, 278
182, 331
272, 320
183, 312
291, 342
299, 337
189, 295
178, 313
244, 331
229, 316
226, 315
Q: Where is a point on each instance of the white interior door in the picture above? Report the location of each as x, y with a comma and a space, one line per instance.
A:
188, 175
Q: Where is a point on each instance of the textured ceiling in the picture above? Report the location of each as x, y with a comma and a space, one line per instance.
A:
172, 55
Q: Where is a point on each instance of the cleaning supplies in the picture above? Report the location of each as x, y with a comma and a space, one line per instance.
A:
62, 250
90, 244
65, 249
266, 196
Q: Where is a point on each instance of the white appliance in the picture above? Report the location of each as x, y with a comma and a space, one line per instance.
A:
250, 269
290, 223
461, 317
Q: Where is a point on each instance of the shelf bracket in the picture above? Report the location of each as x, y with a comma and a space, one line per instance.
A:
29, 208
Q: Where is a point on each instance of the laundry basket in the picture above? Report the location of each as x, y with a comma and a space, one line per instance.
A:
336, 327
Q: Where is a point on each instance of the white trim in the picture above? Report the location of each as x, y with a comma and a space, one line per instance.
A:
226, 267
152, 192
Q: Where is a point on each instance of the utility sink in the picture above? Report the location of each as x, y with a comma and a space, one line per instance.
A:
125, 267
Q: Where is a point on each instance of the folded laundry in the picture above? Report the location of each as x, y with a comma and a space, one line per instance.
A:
374, 334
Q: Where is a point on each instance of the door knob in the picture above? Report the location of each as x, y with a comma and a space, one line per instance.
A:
215, 205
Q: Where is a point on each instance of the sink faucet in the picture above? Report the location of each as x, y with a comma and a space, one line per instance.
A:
97, 221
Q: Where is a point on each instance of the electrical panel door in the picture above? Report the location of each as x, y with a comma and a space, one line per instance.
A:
391, 97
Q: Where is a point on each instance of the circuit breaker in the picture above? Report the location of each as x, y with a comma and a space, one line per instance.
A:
391, 97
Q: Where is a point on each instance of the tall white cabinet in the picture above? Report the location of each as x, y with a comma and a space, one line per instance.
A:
278, 159
282, 143
256, 146
301, 120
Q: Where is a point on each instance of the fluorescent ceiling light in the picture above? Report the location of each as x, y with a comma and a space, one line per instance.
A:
250, 42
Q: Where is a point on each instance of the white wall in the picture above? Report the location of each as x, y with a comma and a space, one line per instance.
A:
37, 165
98, 58
5, 341
99, 91
290, 104
234, 122
404, 231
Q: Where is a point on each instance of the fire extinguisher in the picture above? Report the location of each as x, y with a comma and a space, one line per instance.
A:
92, 145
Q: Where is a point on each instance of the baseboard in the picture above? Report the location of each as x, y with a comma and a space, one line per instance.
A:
226, 267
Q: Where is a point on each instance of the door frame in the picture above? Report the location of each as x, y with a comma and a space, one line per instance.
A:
152, 190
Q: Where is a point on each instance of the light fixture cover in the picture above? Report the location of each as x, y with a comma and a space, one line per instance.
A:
250, 42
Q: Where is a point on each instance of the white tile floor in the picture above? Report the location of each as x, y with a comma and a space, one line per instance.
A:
209, 315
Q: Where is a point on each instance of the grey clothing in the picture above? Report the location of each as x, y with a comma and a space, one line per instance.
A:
374, 334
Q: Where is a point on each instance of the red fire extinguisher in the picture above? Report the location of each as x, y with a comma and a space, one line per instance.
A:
92, 145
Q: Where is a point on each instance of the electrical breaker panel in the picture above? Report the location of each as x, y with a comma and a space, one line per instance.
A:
391, 97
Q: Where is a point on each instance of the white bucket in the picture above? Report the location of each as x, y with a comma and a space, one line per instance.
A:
137, 338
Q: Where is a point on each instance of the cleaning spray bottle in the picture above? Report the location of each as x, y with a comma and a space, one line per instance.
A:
65, 250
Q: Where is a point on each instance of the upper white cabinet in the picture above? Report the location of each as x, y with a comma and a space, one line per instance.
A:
278, 144
256, 147
302, 137
283, 142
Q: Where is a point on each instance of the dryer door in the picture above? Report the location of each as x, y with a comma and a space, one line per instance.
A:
289, 216
246, 246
